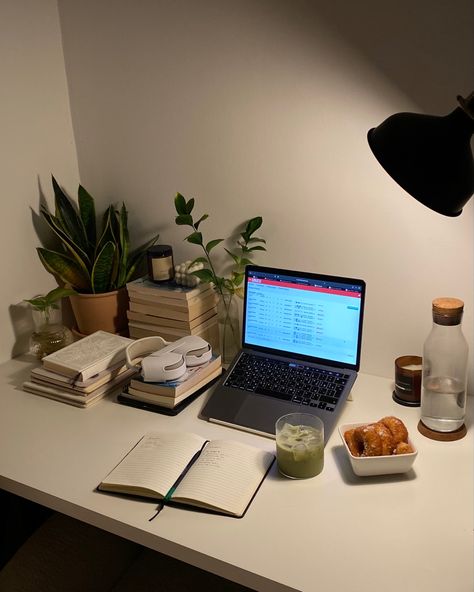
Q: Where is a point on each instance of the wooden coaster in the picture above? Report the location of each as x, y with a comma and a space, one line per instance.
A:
442, 436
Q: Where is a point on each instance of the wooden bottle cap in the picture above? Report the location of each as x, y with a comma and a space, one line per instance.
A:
447, 311
445, 305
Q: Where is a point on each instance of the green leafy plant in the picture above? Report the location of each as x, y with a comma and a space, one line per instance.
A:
50, 301
94, 259
241, 255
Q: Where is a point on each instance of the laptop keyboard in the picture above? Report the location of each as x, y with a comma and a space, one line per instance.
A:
298, 383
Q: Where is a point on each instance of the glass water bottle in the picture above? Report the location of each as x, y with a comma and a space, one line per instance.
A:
444, 375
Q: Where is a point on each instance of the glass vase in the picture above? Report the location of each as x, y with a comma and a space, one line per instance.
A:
229, 326
49, 334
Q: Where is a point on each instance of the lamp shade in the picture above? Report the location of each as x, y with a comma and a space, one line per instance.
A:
429, 156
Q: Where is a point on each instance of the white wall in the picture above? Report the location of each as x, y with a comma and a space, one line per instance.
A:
262, 107
36, 140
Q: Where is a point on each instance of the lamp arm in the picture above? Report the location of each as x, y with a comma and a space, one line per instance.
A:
467, 104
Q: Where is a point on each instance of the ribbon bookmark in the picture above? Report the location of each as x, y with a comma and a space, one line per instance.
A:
178, 481
162, 503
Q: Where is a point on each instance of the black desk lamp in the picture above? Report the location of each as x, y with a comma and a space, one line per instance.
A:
430, 156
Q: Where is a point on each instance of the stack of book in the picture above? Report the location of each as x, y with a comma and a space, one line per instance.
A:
172, 311
172, 394
84, 372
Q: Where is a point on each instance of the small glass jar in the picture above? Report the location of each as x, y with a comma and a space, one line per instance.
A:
444, 375
49, 334
160, 263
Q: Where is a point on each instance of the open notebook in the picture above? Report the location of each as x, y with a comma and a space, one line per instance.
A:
177, 468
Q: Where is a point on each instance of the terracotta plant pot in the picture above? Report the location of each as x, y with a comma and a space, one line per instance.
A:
106, 312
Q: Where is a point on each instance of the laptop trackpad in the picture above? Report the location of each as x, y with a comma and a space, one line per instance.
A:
261, 414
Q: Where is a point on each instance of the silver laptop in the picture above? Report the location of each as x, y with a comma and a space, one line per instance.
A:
301, 345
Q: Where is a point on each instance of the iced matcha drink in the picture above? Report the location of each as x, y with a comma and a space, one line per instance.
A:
300, 446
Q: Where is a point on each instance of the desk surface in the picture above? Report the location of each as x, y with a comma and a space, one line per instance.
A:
333, 532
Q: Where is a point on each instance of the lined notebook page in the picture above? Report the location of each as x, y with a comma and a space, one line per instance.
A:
155, 463
225, 476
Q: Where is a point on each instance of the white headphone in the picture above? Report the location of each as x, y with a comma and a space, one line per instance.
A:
167, 361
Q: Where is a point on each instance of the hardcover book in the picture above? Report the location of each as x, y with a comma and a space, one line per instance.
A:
209, 333
166, 291
174, 388
88, 356
164, 322
82, 401
132, 394
179, 313
119, 372
173, 333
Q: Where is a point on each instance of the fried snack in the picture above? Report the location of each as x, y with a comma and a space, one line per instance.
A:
403, 448
382, 438
386, 438
351, 442
397, 429
368, 440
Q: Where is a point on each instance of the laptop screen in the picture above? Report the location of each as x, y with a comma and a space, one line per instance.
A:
304, 315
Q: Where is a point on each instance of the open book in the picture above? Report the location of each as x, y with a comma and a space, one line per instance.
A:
87, 357
182, 468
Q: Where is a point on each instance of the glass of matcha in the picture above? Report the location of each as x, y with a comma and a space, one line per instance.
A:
299, 445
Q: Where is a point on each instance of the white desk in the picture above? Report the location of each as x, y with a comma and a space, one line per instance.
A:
335, 532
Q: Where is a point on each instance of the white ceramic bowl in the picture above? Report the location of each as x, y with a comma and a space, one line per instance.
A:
364, 466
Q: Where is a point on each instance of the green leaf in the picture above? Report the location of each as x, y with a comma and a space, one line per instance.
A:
205, 275
107, 234
201, 219
195, 238
257, 240
238, 278
190, 206
124, 246
211, 244
199, 260
38, 303
57, 294
257, 248
68, 218
65, 268
184, 220
87, 214
253, 224
103, 269
234, 257
227, 286
180, 204
50, 299
75, 250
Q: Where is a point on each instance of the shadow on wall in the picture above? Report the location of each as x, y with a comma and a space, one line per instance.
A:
23, 326
22, 323
424, 48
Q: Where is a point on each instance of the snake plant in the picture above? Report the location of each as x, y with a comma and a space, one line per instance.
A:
94, 258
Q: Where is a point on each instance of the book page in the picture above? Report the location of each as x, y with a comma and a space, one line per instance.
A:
91, 349
154, 464
225, 476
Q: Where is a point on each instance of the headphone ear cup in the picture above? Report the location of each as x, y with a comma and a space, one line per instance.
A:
195, 350
160, 368
197, 357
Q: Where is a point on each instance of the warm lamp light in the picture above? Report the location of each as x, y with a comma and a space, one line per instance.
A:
430, 156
